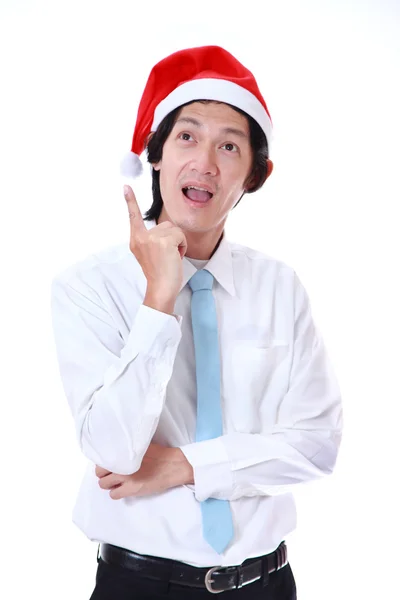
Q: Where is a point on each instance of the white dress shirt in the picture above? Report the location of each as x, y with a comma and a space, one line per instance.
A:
128, 373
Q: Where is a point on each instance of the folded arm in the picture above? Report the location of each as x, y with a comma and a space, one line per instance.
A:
303, 443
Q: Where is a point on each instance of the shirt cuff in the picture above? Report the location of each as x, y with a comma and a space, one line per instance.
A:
213, 477
152, 332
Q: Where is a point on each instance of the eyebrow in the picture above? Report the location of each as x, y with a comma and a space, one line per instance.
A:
224, 131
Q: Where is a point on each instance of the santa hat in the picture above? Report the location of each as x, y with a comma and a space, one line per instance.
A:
204, 73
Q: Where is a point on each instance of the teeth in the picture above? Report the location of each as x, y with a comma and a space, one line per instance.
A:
193, 187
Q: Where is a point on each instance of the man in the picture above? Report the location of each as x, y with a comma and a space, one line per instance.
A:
200, 387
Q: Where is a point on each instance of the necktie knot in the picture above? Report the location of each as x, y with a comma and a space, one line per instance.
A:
202, 280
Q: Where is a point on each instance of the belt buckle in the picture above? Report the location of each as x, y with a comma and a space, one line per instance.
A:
208, 581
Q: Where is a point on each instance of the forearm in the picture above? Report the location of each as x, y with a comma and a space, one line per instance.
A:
115, 391
120, 424
124, 413
242, 464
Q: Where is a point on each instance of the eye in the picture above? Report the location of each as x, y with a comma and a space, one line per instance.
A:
231, 147
185, 136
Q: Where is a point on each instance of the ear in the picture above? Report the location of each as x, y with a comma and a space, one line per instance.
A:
256, 183
156, 166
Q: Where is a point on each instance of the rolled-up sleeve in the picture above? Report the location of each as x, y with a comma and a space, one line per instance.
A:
303, 443
115, 390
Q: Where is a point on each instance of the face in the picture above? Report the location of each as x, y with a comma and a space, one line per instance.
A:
208, 148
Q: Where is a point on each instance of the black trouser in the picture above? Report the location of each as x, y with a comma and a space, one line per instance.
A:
119, 583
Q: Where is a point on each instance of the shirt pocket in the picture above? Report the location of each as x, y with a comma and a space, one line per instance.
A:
258, 372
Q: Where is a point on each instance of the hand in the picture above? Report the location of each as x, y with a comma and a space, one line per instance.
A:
158, 250
161, 469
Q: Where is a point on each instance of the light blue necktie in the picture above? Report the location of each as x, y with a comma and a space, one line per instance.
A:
217, 516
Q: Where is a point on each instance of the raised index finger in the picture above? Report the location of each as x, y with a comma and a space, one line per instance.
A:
135, 216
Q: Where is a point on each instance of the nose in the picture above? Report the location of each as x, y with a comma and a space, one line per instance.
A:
205, 160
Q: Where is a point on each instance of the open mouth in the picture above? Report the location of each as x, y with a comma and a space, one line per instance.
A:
197, 194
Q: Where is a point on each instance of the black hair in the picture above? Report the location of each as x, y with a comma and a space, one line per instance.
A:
254, 181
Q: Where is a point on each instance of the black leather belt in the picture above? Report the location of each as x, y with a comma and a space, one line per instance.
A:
215, 579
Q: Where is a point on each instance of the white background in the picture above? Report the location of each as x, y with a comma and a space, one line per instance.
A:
72, 74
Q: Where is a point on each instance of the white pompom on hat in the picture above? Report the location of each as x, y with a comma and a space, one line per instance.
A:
203, 73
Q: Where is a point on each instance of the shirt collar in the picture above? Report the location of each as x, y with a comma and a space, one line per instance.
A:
220, 264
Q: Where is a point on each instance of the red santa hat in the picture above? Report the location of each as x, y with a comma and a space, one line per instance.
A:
203, 73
